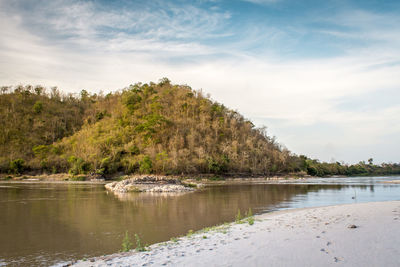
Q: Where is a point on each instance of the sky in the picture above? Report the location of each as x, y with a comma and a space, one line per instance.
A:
322, 76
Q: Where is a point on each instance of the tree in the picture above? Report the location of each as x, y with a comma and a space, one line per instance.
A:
38, 107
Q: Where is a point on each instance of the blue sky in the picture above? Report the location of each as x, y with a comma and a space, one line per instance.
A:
323, 76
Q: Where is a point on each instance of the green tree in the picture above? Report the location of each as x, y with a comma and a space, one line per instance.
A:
17, 166
38, 107
146, 165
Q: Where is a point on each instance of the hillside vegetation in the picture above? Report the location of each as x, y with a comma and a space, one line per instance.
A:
29, 117
172, 129
145, 128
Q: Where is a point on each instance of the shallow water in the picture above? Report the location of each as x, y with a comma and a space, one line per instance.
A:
44, 224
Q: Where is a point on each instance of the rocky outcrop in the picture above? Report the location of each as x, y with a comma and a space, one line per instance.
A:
148, 183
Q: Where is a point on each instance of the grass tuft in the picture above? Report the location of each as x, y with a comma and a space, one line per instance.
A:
239, 217
139, 246
126, 243
250, 217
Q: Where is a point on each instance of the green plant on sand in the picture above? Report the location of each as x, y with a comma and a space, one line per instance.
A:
249, 217
139, 246
238, 218
126, 243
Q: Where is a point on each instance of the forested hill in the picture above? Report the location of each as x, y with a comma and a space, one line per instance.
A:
145, 128
30, 116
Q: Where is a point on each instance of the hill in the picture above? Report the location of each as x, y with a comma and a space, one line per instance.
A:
157, 128
171, 129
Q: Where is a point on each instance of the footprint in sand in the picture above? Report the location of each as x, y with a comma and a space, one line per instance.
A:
336, 259
324, 250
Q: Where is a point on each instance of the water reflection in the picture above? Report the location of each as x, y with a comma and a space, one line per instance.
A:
145, 196
44, 224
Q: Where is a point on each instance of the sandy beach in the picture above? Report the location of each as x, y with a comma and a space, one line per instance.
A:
365, 234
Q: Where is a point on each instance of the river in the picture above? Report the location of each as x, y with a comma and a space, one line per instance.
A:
45, 224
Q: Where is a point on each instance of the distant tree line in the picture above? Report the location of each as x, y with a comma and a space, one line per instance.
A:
315, 168
144, 128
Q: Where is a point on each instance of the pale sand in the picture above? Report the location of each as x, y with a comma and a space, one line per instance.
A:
392, 182
305, 237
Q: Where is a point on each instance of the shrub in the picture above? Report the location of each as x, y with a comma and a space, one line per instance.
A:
38, 107
130, 165
131, 99
146, 166
78, 178
41, 151
107, 166
216, 178
77, 166
17, 166
218, 166
57, 163
312, 171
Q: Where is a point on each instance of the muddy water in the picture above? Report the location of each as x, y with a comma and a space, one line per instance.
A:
44, 224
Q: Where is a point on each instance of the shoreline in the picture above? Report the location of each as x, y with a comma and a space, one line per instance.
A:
66, 179
211, 177
203, 182
200, 183
362, 234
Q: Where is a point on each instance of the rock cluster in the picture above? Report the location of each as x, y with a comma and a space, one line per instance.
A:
148, 184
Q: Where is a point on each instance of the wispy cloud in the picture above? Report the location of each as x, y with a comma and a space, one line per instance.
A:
371, 30
262, 2
311, 103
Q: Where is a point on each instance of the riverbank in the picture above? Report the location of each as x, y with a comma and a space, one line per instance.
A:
200, 180
362, 234
51, 178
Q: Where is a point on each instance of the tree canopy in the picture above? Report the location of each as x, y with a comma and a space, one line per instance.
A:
143, 128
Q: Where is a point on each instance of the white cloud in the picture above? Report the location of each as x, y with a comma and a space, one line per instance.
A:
298, 99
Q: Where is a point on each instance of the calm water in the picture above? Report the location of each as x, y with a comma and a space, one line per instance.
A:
44, 224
